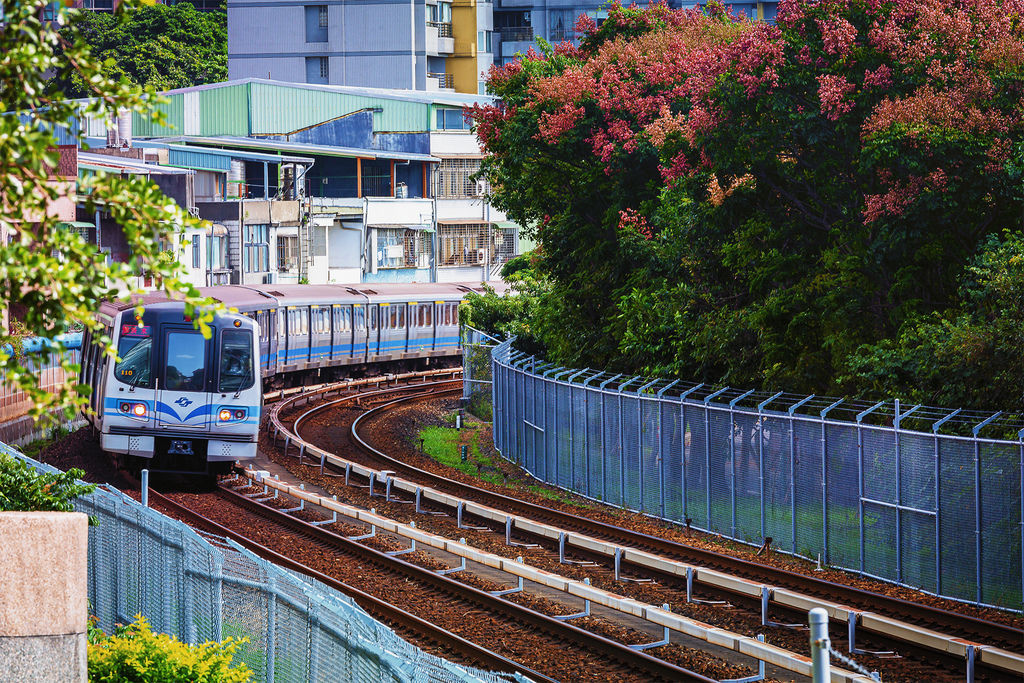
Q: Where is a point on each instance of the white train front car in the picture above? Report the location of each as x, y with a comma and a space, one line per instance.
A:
175, 401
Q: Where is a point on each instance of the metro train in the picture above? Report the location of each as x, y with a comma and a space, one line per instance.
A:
178, 402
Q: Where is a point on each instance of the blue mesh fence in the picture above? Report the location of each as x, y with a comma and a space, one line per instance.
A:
933, 511
200, 588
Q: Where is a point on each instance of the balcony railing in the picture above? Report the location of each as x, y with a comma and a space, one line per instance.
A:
443, 80
516, 33
444, 29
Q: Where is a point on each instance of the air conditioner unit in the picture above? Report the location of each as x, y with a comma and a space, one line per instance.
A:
481, 187
401, 191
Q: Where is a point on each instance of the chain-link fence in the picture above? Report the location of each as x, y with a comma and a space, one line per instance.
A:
937, 512
203, 587
476, 372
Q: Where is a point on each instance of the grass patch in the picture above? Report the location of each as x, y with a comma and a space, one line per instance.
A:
443, 445
34, 448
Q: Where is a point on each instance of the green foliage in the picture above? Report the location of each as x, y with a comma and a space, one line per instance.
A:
788, 206
50, 275
515, 313
970, 355
164, 46
442, 444
24, 488
134, 654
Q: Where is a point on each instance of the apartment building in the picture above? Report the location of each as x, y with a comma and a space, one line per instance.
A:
417, 45
317, 184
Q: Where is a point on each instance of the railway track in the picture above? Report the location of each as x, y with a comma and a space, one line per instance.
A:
604, 655
858, 600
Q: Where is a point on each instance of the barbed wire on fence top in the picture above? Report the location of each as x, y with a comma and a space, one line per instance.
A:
889, 412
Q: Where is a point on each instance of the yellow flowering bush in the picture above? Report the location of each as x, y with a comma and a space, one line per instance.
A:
134, 654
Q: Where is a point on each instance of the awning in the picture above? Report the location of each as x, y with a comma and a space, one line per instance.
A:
75, 224
506, 225
219, 230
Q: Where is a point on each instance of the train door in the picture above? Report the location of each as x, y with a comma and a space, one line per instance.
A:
319, 332
341, 345
181, 392
372, 330
267, 339
297, 335
359, 332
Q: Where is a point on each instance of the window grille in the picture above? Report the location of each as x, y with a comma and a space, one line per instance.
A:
464, 244
402, 248
323, 68
454, 178
322, 16
504, 244
287, 253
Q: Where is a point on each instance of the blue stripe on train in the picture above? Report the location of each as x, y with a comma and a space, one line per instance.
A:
346, 350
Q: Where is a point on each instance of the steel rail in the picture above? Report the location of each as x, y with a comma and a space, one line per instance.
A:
372, 604
564, 631
867, 600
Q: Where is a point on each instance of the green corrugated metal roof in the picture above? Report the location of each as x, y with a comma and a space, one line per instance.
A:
144, 127
224, 111
278, 109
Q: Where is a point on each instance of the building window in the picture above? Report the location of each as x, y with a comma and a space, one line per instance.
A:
317, 70
402, 248
216, 252
454, 179
287, 253
453, 119
316, 23
464, 244
256, 250
484, 40
195, 251
561, 25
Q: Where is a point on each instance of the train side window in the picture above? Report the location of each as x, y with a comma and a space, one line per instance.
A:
394, 317
447, 314
372, 316
455, 314
360, 318
282, 330
400, 312
419, 316
304, 320
427, 314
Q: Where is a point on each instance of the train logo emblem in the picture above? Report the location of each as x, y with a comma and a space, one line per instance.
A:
183, 402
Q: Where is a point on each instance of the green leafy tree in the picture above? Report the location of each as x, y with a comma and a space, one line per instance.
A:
163, 46
50, 274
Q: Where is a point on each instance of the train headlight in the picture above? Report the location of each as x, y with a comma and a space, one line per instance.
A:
139, 410
225, 415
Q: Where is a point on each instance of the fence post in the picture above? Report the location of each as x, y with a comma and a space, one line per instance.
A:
792, 465
820, 666
977, 500
760, 457
604, 445
682, 447
824, 480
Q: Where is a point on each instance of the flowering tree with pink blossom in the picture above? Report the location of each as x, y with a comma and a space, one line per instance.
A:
758, 204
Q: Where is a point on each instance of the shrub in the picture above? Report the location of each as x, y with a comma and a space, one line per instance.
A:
135, 654
22, 487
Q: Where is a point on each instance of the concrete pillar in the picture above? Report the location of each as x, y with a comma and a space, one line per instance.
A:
43, 607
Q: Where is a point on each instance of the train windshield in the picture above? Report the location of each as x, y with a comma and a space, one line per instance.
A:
134, 353
236, 371
186, 361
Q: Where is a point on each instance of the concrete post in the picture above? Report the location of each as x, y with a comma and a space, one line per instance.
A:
43, 608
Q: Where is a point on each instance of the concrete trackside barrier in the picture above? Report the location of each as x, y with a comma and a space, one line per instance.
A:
43, 605
746, 645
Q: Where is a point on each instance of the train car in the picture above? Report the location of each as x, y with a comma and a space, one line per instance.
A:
327, 329
174, 401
